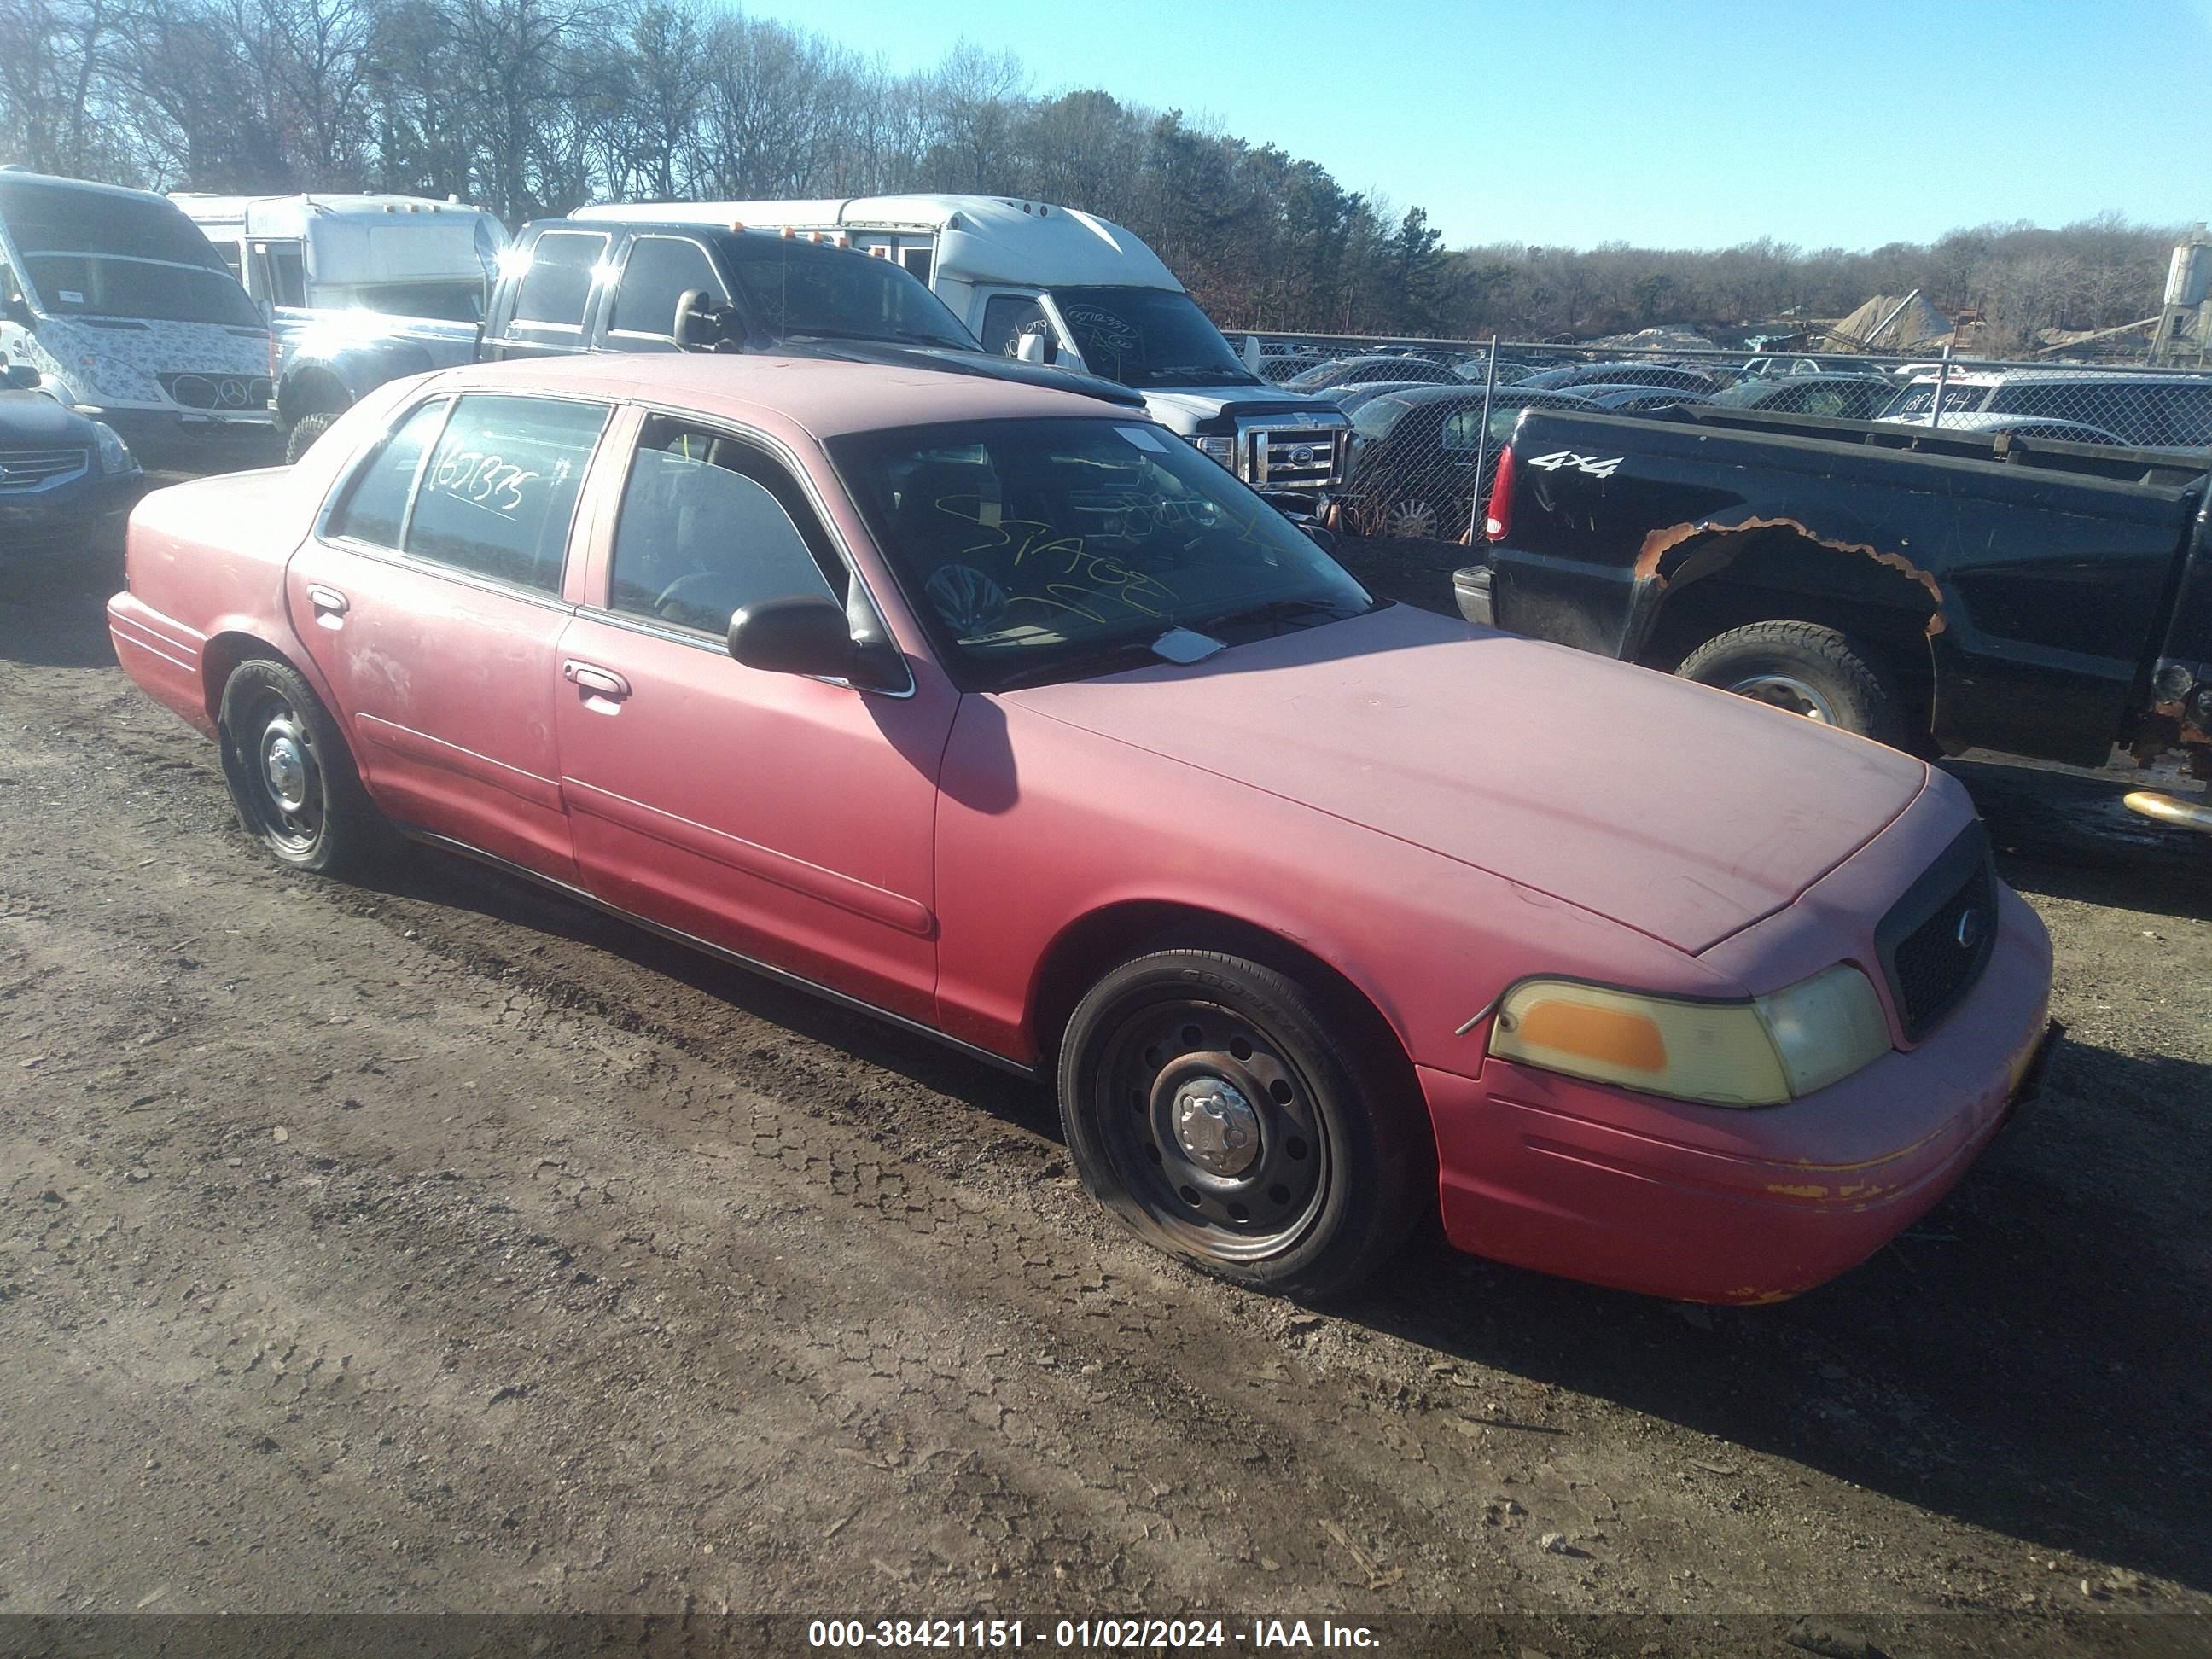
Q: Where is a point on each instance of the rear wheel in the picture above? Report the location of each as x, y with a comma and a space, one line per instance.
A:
1803, 669
290, 777
302, 436
1226, 1113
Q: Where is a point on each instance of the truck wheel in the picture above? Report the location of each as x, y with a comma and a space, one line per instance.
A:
290, 777
1805, 669
305, 431
1219, 1110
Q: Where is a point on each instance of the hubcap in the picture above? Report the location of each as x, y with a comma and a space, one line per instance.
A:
284, 764
1793, 695
1216, 1126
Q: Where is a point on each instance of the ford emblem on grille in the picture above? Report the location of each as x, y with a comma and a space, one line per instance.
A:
1302, 455
231, 394
1971, 923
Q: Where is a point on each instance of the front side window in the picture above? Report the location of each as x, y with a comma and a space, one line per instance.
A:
1037, 548
498, 491
284, 272
710, 525
1006, 318
658, 272
558, 283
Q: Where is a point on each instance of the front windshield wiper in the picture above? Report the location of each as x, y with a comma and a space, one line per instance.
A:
1282, 611
1084, 665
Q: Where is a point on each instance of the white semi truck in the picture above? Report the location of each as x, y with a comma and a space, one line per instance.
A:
1057, 285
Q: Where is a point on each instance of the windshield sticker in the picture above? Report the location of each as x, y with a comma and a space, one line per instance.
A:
1142, 439
69, 296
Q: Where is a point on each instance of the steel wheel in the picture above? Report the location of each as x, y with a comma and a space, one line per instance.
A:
1792, 696
290, 775
1255, 1124
1212, 1129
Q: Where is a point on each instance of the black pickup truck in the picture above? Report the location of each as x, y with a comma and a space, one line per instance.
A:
1936, 591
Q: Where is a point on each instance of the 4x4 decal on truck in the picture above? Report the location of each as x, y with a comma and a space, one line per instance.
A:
1589, 463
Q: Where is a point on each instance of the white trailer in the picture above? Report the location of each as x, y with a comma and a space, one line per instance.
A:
1058, 285
404, 256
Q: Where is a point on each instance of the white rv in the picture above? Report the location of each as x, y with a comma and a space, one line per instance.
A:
404, 256
126, 313
1090, 295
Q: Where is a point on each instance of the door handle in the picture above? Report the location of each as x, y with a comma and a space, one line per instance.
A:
327, 601
596, 681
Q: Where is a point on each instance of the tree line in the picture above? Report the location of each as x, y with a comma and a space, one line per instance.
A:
531, 107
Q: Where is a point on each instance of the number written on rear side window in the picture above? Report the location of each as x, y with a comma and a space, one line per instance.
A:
498, 492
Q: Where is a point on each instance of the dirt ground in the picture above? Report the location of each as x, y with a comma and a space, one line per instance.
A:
440, 1245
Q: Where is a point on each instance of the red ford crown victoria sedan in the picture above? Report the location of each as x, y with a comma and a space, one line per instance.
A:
1008, 715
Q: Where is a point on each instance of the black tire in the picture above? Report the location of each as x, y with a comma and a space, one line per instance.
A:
291, 776
1336, 1155
302, 436
1808, 670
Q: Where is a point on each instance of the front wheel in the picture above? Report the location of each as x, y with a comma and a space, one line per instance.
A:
290, 777
1804, 669
1228, 1115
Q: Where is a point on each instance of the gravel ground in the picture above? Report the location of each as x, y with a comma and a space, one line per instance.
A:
439, 1245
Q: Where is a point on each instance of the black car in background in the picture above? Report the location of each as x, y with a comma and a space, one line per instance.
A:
1413, 473
1571, 375
1350, 371
1639, 399
1839, 397
66, 482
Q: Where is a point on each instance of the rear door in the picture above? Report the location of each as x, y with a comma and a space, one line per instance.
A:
784, 818
432, 599
547, 311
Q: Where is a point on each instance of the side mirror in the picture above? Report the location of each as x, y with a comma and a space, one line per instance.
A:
808, 633
16, 307
19, 377
698, 324
1037, 347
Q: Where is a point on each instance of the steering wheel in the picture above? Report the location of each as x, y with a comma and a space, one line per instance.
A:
968, 598
694, 595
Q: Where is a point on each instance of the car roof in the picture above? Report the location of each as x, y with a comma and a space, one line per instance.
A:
825, 396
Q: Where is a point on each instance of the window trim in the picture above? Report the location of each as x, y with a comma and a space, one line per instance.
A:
555, 598
630, 252
600, 609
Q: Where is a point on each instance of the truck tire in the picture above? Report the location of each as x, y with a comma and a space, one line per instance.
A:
1804, 669
305, 431
1229, 1115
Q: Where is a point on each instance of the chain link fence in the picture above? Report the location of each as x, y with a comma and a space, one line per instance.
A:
1430, 416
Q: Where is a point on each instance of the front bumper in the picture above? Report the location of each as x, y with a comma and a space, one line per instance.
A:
156, 428
1701, 1204
87, 514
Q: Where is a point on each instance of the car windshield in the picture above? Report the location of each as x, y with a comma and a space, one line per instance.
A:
1146, 336
461, 302
800, 289
96, 253
1059, 548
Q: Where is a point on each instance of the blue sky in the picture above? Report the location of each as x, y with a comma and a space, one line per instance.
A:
1670, 123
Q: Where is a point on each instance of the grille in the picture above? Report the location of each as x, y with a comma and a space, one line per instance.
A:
1936, 941
24, 470
1277, 452
239, 393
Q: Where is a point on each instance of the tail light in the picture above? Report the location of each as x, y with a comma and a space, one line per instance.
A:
1497, 522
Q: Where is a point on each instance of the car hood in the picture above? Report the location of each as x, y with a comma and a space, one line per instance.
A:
1681, 811
30, 419
1182, 408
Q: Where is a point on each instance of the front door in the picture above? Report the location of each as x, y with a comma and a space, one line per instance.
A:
783, 818
431, 600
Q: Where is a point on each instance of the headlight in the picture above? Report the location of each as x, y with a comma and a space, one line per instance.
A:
1223, 449
1756, 1053
114, 453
